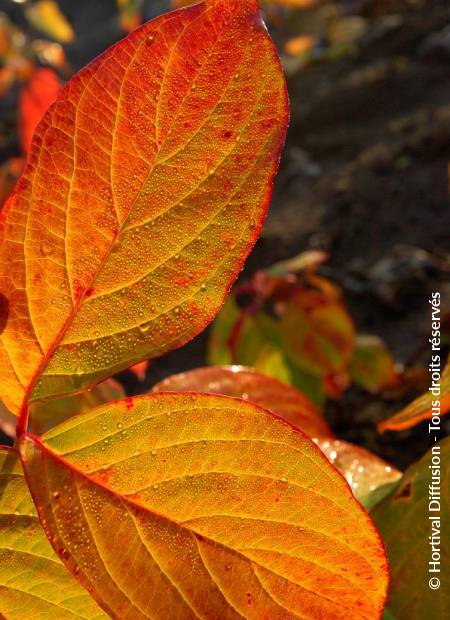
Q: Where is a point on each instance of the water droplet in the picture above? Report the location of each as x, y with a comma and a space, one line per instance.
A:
46, 248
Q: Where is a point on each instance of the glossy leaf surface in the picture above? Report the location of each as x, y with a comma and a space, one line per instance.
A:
34, 584
421, 408
200, 506
363, 471
44, 416
241, 382
147, 185
402, 519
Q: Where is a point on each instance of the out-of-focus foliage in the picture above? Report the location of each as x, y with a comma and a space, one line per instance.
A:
35, 98
423, 408
46, 17
130, 14
292, 324
33, 64
372, 364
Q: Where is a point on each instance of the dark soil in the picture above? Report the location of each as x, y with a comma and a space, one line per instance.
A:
364, 176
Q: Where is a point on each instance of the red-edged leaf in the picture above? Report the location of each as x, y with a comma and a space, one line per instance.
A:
146, 188
246, 383
200, 506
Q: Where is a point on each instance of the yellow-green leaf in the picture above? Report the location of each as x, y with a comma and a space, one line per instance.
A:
406, 523
46, 16
201, 506
372, 366
34, 584
44, 416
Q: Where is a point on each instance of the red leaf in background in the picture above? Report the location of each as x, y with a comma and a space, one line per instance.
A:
34, 100
140, 370
248, 384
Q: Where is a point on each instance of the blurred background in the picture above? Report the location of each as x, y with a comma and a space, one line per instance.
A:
364, 179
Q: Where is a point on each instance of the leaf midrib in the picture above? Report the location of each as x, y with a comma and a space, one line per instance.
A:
172, 522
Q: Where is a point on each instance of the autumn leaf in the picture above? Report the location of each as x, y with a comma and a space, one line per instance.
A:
146, 188
238, 337
363, 471
318, 333
402, 519
46, 16
372, 366
33, 582
301, 45
140, 370
130, 14
8, 421
226, 510
44, 416
421, 408
246, 383
291, 4
34, 100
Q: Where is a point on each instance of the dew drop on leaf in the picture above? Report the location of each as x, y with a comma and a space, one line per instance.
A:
46, 248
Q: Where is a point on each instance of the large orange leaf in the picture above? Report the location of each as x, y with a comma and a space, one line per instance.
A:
147, 185
201, 506
238, 381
